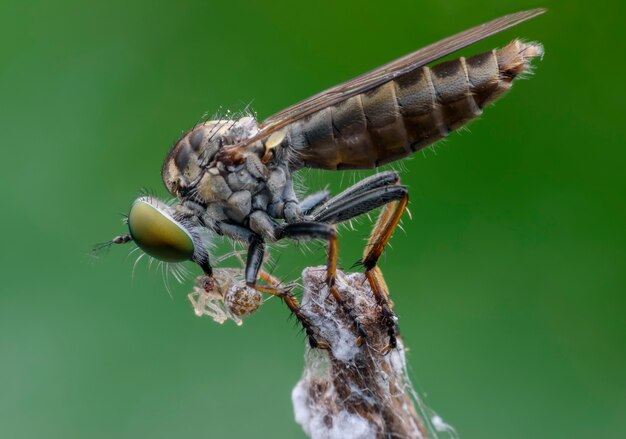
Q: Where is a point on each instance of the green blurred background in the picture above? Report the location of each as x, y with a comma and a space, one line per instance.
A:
509, 281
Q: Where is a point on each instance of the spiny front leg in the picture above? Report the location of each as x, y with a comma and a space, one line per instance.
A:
311, 230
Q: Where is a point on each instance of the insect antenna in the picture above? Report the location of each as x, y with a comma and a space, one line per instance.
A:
100, 249
103, 247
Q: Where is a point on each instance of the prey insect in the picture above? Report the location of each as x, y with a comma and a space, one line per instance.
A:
234, 178
226, 295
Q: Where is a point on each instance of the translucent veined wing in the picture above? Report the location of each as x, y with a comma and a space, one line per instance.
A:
389, 71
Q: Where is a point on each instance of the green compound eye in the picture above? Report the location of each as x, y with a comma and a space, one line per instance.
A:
157, 233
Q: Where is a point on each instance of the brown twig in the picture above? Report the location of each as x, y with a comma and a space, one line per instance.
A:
351, 391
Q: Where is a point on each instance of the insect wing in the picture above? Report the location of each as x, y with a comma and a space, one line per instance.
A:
390, 71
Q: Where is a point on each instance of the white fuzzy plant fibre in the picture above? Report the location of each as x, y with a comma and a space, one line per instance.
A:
352, 392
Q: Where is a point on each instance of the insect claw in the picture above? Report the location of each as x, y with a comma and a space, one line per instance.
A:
361, 332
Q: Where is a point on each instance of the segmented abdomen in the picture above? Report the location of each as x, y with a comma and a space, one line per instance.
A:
408, 113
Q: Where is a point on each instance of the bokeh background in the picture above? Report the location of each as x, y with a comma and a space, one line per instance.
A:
510, 280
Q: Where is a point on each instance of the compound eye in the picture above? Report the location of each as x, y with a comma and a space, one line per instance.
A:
157, 233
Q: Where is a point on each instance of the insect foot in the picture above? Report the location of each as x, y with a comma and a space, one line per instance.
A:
315, 341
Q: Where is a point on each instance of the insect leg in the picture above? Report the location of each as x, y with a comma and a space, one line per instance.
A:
360, 204
385, 225
309, 230
394, 197
375, 181
269, 279
313, 201
314, 230
234, 232
256, 251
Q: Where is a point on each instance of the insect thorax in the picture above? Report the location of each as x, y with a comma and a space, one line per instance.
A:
229, 190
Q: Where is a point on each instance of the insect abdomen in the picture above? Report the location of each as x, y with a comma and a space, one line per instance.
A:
408, 113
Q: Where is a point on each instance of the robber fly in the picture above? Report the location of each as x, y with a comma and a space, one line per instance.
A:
234, 178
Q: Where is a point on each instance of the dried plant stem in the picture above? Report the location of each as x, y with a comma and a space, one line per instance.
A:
350, 391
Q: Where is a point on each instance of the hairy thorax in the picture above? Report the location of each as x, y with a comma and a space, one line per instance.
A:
196, 170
